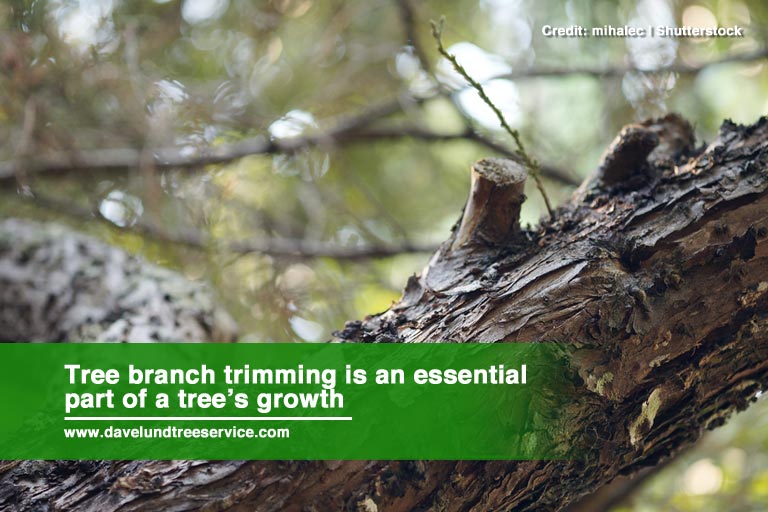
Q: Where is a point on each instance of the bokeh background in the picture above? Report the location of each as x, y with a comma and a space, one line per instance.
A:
305, 156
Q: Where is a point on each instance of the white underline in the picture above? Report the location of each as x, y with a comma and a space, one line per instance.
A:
207, 418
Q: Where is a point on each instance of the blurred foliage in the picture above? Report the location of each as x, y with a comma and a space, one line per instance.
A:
77, 75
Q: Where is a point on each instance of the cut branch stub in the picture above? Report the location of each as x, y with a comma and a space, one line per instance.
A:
639, 153
492, 214
627, 154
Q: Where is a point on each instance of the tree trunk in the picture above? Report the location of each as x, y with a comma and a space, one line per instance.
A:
657, 271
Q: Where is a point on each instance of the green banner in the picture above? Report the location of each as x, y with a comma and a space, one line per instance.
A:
283, 401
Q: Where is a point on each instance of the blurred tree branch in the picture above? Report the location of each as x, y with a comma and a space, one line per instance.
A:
409, 21
354, 129
615, 71
276, 247
348, 131
470, 134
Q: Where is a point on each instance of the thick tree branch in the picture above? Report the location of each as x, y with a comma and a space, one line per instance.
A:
659, 281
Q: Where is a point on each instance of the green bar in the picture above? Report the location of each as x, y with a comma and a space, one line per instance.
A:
507, 419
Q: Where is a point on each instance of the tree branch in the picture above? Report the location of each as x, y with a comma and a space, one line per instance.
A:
617, 71
175, 158
276, 247
660, 283
349, 130
470, 134
409, 22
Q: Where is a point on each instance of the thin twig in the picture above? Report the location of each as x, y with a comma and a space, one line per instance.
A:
547, 171
530, 163
409, 21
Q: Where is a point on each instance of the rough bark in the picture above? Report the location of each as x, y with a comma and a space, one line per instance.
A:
657, 271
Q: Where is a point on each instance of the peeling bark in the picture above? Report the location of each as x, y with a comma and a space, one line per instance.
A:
659, 278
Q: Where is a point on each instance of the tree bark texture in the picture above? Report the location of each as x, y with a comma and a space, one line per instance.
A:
656, 272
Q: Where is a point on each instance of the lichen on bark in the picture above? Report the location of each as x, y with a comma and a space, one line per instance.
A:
59, 285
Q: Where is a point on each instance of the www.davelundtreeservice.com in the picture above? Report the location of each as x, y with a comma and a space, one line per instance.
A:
647, 31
